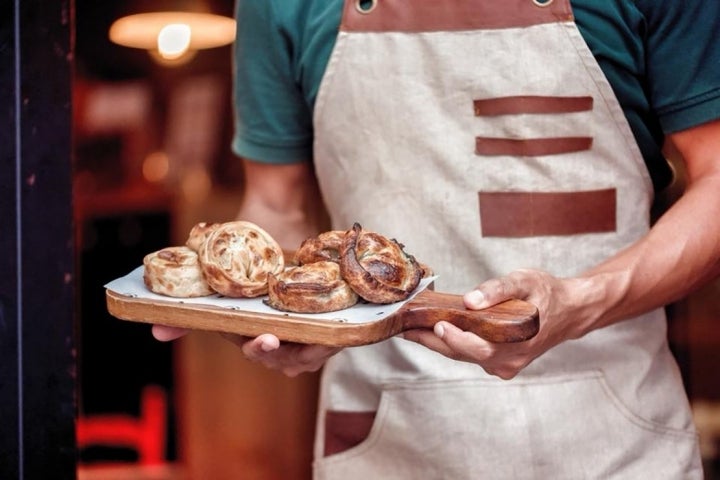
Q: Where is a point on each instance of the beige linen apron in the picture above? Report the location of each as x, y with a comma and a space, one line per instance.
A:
483, 135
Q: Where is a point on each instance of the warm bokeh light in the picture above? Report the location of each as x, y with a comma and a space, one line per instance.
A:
196, 185
174, 40
155, 167
196, 31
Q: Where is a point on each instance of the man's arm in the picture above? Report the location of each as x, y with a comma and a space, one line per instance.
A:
284, 200
680, 253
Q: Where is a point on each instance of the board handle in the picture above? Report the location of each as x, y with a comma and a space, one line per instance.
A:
507, 322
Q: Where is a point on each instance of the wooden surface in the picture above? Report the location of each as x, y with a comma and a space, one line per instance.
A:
512, 321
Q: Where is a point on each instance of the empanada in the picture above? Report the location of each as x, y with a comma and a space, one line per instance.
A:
237, 258
324, 247
199, 233
378, 268
312, 288
175, 272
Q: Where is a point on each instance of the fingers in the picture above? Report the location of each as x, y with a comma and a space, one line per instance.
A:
430, 340
501, 360
490, 292
476, 300
465, 345
256, 348
166, 334
452, 342
518, 284
291, 359
308, 358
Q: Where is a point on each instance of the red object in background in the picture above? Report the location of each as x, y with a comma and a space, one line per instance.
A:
145, 434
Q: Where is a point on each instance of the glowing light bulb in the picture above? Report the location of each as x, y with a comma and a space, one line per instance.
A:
174, 40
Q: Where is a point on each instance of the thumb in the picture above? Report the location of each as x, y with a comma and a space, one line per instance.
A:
475, 300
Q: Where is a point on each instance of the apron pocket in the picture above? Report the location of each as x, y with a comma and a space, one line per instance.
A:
344, 430
569, 426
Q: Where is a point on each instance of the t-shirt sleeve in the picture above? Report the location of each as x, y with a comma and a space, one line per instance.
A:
273, 123
683, 61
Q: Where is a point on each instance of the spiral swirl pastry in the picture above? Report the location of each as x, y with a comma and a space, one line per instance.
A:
199, 233
237, 258
324, 247
377, 268
312, 288
175, 272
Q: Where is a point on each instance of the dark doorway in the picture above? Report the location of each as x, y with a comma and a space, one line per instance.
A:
37, 344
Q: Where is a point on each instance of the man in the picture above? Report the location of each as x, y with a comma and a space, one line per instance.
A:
514, 146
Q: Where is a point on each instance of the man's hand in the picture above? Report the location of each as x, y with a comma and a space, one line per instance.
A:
291, 359
680, 253
164, 333
554, 300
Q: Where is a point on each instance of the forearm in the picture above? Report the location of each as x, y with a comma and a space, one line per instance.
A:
283, 200
680, 253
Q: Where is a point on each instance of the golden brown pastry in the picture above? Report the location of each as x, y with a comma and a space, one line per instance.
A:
378, 268
175, 272
199, 233
324, 247
427, 271
237, 258
312, 288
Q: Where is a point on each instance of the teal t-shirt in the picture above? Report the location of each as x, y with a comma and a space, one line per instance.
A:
662, 58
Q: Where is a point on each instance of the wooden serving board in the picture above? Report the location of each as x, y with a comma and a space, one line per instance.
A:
512, 321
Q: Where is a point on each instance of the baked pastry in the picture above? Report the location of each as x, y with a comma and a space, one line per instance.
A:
378, 268
175, 272
324, 247
312, 288
237, 258
199, 233
427, 271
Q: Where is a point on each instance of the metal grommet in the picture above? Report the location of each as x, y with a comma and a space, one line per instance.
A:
367, 6
543, 3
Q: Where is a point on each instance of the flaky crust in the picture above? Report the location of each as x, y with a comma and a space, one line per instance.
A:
324, 247
312, 288
377, 268
175, 272
237, 258
199, 233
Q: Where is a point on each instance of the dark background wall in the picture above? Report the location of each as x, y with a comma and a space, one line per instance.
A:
37, 367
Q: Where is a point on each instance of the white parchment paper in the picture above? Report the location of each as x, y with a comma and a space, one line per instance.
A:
132, 285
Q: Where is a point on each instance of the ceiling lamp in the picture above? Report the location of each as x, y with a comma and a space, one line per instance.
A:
173, 35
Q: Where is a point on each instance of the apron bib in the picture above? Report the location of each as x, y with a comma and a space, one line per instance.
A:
484, 136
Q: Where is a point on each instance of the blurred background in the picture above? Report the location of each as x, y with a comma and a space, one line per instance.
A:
152, 158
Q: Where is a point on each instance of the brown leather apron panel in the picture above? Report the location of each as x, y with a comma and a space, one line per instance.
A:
518, 104
531, 147
532, 214
450, 15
